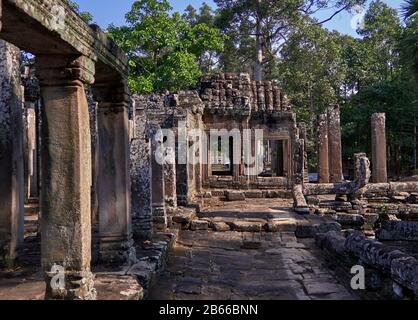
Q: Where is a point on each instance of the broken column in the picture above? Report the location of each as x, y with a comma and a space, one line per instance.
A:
379, 155
323, 154
334, 142
159, 214
11, 154
113, 181
66, 176
141, 176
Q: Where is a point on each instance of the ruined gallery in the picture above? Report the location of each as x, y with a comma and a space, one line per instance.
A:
193, 194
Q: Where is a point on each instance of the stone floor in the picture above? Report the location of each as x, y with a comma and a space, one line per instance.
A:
212, 265
215, 265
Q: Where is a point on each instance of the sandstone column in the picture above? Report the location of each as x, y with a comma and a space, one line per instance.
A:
170, 180
11, 154
334, 140
141, 177
66, 176
323, 155
94, 132
32, 95
159, 214
379, 156
113, 181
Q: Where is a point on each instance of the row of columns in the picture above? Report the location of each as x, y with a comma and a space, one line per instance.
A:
69, 184
329, 147
330, 167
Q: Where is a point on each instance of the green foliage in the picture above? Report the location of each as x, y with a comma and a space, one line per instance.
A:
165, 50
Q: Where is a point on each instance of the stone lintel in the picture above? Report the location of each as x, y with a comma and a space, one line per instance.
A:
56, 29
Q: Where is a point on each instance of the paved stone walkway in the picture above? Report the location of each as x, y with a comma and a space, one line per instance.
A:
213, 265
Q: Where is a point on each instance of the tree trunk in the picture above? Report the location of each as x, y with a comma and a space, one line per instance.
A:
415, 143
259, 48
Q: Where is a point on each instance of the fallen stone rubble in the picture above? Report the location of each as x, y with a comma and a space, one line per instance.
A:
396, 272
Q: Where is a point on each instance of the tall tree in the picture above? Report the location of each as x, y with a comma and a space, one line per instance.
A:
271, 22
164, 50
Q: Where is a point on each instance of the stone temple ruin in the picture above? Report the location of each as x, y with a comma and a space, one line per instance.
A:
84, 192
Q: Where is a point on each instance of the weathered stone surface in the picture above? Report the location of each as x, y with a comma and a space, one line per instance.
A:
235, 196
159, 212
141, 176
66, 177
199, 225
398, 230
282, 225
116, 287
379, 153
300, 204
11, 154
309, 230
352, 220
220, 226
323, 149
113, 182
334, 140
51, 36
184, 216
245, 226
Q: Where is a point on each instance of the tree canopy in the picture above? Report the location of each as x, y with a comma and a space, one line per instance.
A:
166, 52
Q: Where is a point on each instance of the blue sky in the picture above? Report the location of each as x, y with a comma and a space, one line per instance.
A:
113, 11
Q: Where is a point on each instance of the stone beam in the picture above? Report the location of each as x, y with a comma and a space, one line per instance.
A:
51, 27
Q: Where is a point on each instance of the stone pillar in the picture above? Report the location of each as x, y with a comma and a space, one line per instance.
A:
304, 135
31, 150
170, 191
379, 156
94, 132
334, 141
113, 181
32, 96
141, 177
323, 155
159, 214
11, 154
66, 175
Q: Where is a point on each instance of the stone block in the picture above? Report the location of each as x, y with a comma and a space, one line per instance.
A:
220, 227
281, 225
352, 220
117, 287
398, 231
235, 196
244, 226
199, 225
